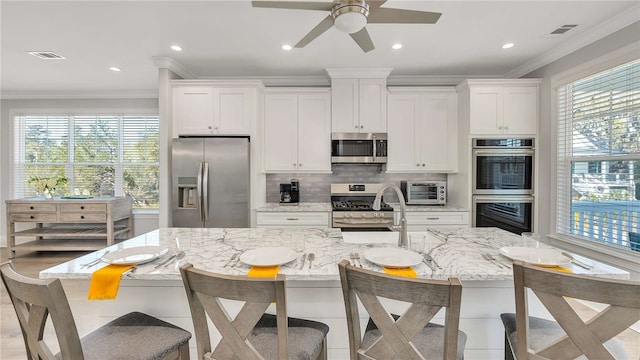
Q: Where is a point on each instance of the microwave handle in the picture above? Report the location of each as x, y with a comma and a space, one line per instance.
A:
374, 148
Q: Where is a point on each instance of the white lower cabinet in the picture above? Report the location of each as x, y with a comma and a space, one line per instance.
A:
422, 220
293, 218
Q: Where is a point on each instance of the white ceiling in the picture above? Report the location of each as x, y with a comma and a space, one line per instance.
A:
231, 38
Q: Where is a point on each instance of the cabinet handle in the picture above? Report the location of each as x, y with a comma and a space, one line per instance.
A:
292, 218
433, 218
81, 216
361, 126
356, 126
30, 207
300, 165
81, 207
418, 165
422, 164
294, 164
209, 127
31, 217
506, 128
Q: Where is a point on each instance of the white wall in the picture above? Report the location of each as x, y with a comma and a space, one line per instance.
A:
8, 108
546, 133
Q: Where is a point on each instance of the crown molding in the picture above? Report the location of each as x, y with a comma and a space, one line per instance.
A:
434, 80
608, 27
302, 81
164, 62
381, 73
62, 95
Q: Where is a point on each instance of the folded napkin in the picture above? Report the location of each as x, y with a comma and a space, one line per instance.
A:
264, 271
558, 268
105, 282
408, 272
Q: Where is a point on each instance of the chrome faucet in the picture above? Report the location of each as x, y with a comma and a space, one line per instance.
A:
403, 240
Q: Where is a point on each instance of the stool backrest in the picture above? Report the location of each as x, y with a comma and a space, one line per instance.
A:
552, 288
426, 298
36, 300
205, 290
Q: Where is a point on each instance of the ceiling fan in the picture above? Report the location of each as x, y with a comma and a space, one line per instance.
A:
351, 16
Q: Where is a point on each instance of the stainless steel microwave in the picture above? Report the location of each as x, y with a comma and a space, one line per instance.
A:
424, 192
359, 148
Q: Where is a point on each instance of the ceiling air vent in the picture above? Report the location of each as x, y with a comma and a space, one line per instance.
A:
46, 55
562, 29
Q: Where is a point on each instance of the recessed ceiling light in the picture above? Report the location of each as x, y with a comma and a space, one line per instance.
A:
176, 48
113, 68
396, 46
507, 46
287, 47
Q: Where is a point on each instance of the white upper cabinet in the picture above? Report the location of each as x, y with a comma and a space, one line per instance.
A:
297, 131
423, 127
208, 109
359, 100
499, 107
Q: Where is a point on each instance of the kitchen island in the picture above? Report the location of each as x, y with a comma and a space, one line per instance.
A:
314, 292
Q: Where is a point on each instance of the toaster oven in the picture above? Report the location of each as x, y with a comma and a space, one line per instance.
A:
424, 192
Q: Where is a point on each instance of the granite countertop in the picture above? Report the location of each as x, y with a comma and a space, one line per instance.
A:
303, 206
458, 252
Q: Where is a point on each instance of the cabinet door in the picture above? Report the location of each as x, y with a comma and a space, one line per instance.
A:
486, 111
404, 112
193, 110
314, 133
373, 105
438, 133
232, 111
280, 132
344, 105
521, 110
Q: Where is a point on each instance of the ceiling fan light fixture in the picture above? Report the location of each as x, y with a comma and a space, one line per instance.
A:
350, 17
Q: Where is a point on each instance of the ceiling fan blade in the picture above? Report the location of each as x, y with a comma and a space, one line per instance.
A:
374, 4
323, 26
363, 40
299, 5
400, 16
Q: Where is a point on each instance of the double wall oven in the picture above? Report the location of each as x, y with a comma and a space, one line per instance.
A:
503, 184
352, 208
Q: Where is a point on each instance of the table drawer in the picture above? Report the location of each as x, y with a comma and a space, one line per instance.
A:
31, 207
77, 208
41, 217
83, 217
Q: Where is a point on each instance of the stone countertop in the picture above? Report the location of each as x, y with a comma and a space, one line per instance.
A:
303, 206
458, 252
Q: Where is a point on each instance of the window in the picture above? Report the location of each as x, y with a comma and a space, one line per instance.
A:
599, 157
100, 155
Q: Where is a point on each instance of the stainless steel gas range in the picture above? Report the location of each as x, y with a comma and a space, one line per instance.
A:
352, 208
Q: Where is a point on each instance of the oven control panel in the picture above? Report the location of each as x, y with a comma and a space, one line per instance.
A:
356, 187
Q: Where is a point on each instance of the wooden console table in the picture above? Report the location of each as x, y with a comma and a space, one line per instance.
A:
68, 224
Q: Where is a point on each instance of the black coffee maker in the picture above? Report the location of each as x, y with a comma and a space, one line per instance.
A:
290, 193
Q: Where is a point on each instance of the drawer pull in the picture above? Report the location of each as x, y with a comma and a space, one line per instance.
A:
30, 207
81, 207
31, 217
81, 216
292, 218
433, 218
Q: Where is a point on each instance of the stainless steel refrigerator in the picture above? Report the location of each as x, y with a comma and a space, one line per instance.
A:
210, 182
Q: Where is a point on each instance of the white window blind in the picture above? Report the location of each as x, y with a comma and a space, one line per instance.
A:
100, 155
599, 157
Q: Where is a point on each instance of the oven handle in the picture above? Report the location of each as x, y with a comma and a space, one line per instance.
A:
501, 198
504, 152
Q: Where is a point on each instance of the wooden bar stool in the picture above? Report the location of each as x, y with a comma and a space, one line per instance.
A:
132, 336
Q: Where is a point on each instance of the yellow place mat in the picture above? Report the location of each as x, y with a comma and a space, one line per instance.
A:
408, 272
105, 282
559, 268
264, 271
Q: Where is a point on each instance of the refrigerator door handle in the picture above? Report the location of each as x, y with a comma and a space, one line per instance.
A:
199, 190
205, 190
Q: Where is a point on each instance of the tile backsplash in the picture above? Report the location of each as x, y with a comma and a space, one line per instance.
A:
315, 187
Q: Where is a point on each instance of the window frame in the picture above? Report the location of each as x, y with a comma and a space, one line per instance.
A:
119, 113
601, 251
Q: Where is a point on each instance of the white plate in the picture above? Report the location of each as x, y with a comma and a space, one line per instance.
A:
536, 256
268, 256
393, 257
134, 255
